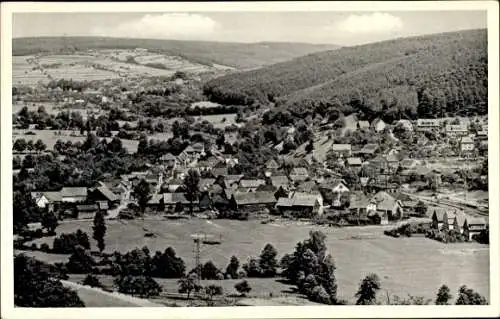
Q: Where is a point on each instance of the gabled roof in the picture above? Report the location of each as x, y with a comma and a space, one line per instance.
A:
73, 192
106, 192
304, 199
359, 200
369, 149
384, 201
299, 171
167, 157
254, 198
341, 147
251, 183
272, 164
354, 161
307, 187
53, 196
280, 180
467, 139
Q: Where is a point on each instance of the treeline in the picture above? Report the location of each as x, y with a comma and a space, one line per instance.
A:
422, 76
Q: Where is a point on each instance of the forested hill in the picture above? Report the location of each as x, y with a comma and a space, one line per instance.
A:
426, 76
238, 55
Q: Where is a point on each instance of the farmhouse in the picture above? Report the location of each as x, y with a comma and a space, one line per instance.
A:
368, 150
466, 144
300, 205
299, 174
342, 150
353, 162
387, 205
428, 124
456, 130
280, 181
44, 199
253, 201
102, 193
250, 185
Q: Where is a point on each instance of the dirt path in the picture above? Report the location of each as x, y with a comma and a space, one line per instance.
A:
95, 297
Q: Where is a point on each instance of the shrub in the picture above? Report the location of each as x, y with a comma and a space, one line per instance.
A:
243, 287
242, 274
66, 243
143, 286
45, 247
92, 281
319, 294
220, 276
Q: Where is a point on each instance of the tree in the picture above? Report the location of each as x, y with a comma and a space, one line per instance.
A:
443, 295
142, 147
49, 222
189, 284
268, 262
80, 261
99, 229
435, 222
367, 290
209, 271
320, 295
35, 285
232, 268
30, 146
19, 145
167, 265
40, 146
213, 290
252, 268
142, 193
66, 243
92, 281
310, 146
191, 184
115, 145
243, 287
468, 296
144, 286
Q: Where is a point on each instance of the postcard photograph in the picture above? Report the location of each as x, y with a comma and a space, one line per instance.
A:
225, 158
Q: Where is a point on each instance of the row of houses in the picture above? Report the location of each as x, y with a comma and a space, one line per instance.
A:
82, 201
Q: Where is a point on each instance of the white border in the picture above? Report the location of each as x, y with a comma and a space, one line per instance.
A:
248, 312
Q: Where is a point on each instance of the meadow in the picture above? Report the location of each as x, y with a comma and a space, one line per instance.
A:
357, 251
50, 138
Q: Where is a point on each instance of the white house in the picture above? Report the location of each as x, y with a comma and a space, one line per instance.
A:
466, 144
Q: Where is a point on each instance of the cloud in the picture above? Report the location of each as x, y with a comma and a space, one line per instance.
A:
372, 23
163, 26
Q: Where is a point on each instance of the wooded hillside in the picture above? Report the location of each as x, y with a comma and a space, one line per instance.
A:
427, 76
238, 55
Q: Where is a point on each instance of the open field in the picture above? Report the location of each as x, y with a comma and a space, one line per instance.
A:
357, 251
50, 139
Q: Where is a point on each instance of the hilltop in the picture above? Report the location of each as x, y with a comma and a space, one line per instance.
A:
236, 55
407, 77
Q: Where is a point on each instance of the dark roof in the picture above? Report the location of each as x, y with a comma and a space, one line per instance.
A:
254, 198
106, 192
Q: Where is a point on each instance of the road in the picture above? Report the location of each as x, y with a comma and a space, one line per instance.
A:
447, 203
95, 297
125, 200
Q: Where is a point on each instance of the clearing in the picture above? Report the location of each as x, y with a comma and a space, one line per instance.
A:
357, 251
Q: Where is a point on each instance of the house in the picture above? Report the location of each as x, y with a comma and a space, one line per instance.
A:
300, 205
272, 165
307, 187
455, 130
174, 184
378, 125
359, 203
46, 199
253, 201
203, 166
334, 190
408, 163
386, 205
466, 144
87, 211
219, 171
406, 124
428, 124
342, 150
353, 162
250, 185
168, 160
73, 194
171, 200
102, 193
363, 125
368, 150
299, 174
280, 181
474, 226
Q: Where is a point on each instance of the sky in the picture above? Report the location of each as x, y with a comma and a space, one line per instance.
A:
342, 28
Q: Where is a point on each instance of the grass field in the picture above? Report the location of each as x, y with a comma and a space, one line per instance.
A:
50, 139
357, 251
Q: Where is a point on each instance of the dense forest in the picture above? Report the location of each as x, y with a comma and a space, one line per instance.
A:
238, 55
426, 76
